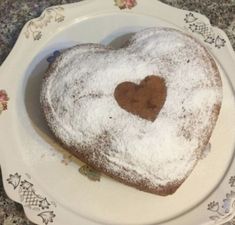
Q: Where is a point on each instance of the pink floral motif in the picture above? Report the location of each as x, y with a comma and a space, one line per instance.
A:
3, 100
123, 4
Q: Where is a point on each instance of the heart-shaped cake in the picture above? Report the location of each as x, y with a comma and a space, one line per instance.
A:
142, 114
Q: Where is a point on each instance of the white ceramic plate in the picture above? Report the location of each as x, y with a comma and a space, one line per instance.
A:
41, 176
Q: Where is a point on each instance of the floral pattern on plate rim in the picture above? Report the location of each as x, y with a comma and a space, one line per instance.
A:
3, 100
125, 4
225, 209
31, 199
34, 27
205, 30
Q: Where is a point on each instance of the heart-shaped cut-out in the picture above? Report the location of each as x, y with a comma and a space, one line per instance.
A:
144, 100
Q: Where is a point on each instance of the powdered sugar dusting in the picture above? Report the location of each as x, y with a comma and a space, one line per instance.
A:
79, 95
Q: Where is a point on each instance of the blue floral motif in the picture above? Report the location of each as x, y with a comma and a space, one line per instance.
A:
52, 58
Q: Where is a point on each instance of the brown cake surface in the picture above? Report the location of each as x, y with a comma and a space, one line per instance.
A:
142, 114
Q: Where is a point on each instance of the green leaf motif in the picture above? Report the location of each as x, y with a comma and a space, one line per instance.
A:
90, 173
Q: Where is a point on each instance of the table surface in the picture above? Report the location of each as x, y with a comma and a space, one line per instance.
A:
14, 14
